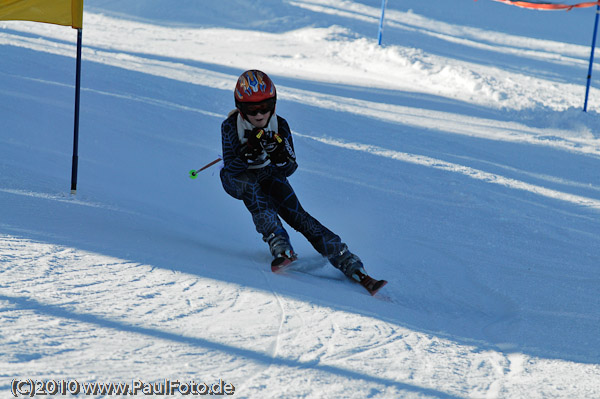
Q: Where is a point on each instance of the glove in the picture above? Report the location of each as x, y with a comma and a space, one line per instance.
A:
275, 148
252, 149
250, 154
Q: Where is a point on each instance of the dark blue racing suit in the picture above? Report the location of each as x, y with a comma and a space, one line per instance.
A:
266, 191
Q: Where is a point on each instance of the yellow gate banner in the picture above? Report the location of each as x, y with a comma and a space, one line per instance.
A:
60, 12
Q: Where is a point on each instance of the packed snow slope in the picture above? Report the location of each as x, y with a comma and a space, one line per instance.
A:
455, 160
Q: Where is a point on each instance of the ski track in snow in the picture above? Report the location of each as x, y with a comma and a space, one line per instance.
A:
176, 317
68, 289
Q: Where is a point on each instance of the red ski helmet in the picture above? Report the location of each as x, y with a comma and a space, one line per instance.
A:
254, 86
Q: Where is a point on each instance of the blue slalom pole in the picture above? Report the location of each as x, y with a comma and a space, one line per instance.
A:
589, 76
380, 34
76, 119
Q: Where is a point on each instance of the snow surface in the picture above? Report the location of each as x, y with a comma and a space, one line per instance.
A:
454, 160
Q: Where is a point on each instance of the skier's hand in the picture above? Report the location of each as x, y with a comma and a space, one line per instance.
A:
252, 149
250, 154
275, 146
278, 154
255, 137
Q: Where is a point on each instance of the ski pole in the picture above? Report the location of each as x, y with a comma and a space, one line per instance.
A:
194, 173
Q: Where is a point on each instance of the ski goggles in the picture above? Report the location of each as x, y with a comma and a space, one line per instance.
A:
263, 107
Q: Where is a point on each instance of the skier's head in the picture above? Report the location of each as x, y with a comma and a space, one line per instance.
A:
255, 94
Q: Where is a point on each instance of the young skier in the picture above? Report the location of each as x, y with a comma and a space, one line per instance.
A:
258, 155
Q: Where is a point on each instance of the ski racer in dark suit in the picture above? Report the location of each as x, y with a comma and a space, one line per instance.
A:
258, 155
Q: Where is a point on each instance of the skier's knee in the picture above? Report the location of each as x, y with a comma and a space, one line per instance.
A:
234, 185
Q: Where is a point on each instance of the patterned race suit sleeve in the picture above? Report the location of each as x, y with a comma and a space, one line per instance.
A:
234, 164
286, 134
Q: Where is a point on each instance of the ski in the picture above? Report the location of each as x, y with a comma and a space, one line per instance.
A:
372, 285
281, 263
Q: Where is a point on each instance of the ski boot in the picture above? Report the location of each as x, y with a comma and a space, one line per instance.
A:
281, 249
353, 268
